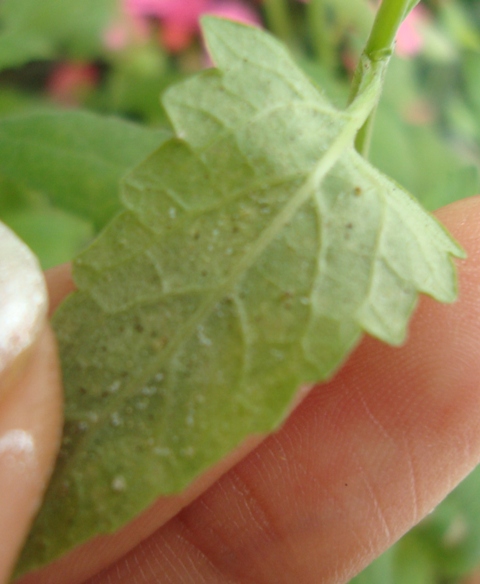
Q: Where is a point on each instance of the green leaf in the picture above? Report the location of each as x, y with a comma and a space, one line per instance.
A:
457, 184
76, 158
71, 27
453, 530
409, 561
256, 246
443, 176
380, 571
15, 102
17, 49
54, 236
413, 561
14, 198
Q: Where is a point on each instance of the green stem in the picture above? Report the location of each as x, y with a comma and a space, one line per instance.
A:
379, 47
389, 17
278, 19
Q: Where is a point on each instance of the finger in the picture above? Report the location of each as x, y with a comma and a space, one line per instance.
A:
93, 556
359, 462
30, 428
90, 558
59, 284
30, 405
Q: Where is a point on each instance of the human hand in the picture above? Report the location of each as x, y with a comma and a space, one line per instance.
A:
359, 461
30, 395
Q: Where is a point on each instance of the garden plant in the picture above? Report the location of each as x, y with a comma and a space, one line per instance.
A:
245, 191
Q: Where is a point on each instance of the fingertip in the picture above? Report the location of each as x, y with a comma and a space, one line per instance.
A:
59, 284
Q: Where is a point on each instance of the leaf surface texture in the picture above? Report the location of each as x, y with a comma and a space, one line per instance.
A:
254, 249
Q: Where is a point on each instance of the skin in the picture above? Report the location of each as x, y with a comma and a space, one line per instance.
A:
360, 460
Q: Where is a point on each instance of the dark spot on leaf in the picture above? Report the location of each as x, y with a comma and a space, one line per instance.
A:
158, 344
349, 226
287, 299
357, 191
196, 235
204, 273
138, 327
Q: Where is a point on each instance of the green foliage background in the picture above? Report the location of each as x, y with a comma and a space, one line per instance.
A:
59, 168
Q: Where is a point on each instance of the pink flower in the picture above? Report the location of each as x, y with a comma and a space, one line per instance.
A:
409, 37
185, 12
234, 10
179, 19
69, 83
115, 37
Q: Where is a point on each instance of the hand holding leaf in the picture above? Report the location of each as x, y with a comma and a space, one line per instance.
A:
255, 248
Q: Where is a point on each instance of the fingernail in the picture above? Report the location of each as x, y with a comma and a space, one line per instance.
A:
23, 305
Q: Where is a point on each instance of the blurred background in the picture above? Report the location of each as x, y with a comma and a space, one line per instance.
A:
79, 106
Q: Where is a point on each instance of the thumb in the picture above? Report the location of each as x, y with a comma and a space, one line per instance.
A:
30, 395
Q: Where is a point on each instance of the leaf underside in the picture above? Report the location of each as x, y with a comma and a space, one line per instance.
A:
231, 279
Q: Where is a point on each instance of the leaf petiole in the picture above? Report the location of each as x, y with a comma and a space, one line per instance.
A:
390, 16
379, 47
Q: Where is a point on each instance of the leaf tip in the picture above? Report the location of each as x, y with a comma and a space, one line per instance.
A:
218, 31
208, 25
